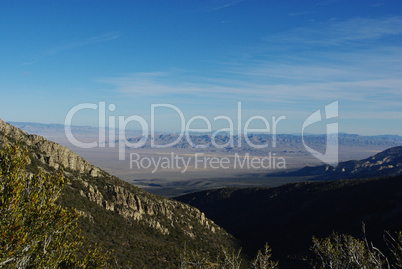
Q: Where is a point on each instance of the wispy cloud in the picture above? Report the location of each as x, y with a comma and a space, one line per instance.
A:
91, 40
216, 5
26, 63
335, 33
73, 45
227, 4
293, 14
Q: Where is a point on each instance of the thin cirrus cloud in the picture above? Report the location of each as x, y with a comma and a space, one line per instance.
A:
216, 5
73, 45
91, 40
336, 33
26, 63
226, 4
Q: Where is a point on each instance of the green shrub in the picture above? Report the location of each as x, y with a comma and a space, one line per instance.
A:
229, 260
344, 251
35, 231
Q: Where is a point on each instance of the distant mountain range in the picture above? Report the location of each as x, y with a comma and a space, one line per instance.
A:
282, 144
283, 141
34, 127
287, 145
385, 163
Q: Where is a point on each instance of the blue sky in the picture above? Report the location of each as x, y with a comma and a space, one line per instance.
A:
275, 57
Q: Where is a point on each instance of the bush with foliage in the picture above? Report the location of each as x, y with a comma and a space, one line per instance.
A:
337, 251
395, 246
344, 251
264, 259
229, 260
35, 231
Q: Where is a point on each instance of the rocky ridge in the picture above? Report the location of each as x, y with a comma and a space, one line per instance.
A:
163, 216
49, 153
122, 200
385, 163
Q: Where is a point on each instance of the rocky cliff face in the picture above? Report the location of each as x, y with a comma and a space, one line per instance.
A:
48, 152
158, 213
116, 198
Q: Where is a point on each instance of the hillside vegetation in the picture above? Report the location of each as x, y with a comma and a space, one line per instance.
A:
142, 229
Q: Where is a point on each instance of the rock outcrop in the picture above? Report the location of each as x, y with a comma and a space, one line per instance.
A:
109, 192
50, 153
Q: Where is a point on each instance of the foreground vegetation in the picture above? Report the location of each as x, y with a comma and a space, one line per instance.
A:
337, 251
35, 231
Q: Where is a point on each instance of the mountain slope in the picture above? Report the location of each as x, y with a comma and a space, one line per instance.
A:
141, 228
288, 216
385, 163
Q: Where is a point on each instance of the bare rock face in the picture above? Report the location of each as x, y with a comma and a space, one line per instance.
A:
50, 153
158, 213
